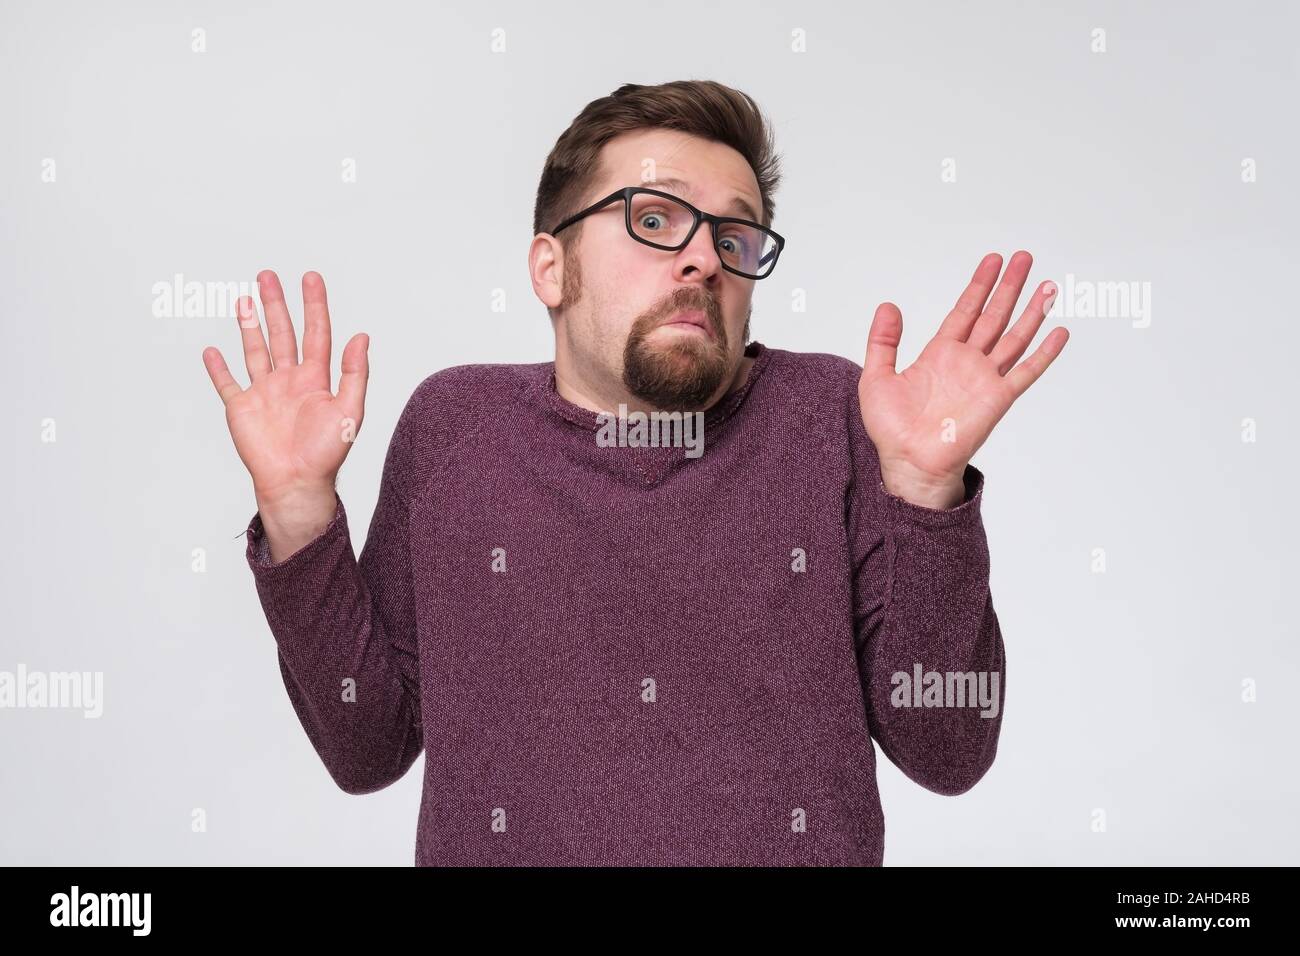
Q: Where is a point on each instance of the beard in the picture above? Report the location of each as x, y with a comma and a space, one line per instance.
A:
681, 374
684, 372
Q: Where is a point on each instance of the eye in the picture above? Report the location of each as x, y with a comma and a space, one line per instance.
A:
652, 220
739, 246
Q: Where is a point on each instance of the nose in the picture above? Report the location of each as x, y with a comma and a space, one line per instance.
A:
698, 261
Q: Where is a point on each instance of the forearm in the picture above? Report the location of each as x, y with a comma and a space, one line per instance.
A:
936, 693
346, 652
934, 658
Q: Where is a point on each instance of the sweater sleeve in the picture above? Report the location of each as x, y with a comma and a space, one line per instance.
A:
923, 609
345, 632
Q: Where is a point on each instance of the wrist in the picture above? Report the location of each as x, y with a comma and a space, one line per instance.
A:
939, 492
291, 496
293, 518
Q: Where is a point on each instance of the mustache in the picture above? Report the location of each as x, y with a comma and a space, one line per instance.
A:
684, 300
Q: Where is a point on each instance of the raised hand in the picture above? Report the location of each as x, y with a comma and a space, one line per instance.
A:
928, 420
290, 430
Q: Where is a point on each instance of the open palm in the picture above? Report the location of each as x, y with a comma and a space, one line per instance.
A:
290, 430
928, 420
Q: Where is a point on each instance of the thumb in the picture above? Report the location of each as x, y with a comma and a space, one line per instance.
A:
355, 373
882, 340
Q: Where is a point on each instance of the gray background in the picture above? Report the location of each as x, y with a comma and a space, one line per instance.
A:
1124, 688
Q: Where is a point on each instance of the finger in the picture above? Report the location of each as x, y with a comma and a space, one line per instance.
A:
256, 358
284, 345
355, 373
971, 302
1012, 345
315, 323
1027, 372
997, 314
222, 380
882, 340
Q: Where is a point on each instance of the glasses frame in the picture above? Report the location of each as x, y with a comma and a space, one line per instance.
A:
627, 192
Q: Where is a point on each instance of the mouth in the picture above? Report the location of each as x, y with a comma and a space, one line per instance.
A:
691, 321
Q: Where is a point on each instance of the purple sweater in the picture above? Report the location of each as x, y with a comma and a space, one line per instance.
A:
629, 655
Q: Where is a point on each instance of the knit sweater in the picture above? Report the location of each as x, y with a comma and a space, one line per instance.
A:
616, 655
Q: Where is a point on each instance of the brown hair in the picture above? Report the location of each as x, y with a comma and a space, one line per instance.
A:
701, 107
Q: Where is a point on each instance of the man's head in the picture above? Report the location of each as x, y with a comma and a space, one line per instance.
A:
612, 299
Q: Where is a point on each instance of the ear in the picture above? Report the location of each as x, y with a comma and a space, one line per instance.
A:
546, 268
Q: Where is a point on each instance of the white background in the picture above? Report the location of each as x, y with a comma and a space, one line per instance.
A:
1124, 689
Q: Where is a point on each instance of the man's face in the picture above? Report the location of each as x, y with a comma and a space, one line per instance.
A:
615, 329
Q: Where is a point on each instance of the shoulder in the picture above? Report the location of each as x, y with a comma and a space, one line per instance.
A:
819, 394
464, 393
475, 384
819, 380
449, 407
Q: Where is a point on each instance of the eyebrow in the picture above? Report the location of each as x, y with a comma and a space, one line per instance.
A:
738, 203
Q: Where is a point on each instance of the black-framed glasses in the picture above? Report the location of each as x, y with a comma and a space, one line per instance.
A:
666, 222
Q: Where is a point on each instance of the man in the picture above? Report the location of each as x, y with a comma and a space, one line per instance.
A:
615, 650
